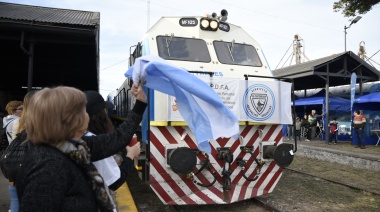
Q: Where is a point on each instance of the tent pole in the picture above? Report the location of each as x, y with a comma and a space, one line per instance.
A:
325, 118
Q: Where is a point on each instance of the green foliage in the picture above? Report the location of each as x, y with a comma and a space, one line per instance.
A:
352, 7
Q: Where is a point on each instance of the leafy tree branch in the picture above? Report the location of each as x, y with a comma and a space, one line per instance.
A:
352, 7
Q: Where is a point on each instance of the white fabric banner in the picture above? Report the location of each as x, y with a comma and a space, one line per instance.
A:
265, 101
227, 89
256, 101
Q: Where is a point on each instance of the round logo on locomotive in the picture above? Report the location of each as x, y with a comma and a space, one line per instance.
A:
259, 102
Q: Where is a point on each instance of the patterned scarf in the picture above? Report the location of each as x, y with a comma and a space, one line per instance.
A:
79, 152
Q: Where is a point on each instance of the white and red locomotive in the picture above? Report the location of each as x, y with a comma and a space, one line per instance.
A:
225, 56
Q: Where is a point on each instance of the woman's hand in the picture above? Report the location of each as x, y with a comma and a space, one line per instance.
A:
138, 92
133, 151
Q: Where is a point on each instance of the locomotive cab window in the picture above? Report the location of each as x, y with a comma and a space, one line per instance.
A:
185, 49
237, 54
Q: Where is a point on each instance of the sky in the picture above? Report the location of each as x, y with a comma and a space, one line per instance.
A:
272, 23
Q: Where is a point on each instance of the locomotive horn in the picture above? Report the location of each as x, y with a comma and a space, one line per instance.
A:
224, 15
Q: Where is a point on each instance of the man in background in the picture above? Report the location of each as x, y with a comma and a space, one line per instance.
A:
313, 124
358, 124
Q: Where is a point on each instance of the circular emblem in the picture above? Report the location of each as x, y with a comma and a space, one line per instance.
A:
259, 102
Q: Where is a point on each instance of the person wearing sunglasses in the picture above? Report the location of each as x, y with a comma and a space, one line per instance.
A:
10, 122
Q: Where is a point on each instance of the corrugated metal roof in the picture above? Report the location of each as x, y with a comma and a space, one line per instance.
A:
48, 15
310, 66
304, 67
336, 68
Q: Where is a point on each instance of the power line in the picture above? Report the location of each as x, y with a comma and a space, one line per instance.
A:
284, 55
247, 28
365, 61
164, 6
113, 65
275, 16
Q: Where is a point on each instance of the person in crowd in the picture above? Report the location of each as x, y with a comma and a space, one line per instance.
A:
14, 109
3, 142
304, 125
309, 119
58, 173
100, 123
298, 128
313, 123
333, 132
21, 120
358, 125
20, 137
290, 129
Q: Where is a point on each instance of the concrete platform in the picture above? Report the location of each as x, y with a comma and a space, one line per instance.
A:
4, 194
343, 153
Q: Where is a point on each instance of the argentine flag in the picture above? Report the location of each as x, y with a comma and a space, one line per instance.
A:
200, 106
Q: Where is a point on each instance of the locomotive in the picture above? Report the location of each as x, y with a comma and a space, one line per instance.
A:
227, 58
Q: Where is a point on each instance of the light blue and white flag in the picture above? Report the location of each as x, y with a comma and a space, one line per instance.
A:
353, 87
203, 110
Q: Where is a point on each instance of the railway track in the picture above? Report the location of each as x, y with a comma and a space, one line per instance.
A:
305, 190
334, 181
255, 204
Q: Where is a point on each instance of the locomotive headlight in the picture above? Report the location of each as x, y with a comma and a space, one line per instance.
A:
205, 23
209, 24
214, 24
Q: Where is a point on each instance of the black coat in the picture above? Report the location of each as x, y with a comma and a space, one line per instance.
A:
305, 123
50, 181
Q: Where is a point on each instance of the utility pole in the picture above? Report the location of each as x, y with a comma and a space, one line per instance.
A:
148, 15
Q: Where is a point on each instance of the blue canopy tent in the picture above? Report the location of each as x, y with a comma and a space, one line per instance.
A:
367, 102
370, 104
335, 104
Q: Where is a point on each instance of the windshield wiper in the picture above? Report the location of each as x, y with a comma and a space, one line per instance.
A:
231, 49
168, 43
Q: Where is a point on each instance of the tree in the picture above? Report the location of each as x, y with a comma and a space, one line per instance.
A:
352, 7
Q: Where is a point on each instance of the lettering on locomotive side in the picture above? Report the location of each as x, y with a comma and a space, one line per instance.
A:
218, 74
224, 26
188, 22
219, 87
215, 74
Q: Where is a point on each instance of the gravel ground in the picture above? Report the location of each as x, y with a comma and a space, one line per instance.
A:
294, 192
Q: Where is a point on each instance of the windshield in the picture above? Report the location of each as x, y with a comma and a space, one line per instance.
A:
237, 54
186, 49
